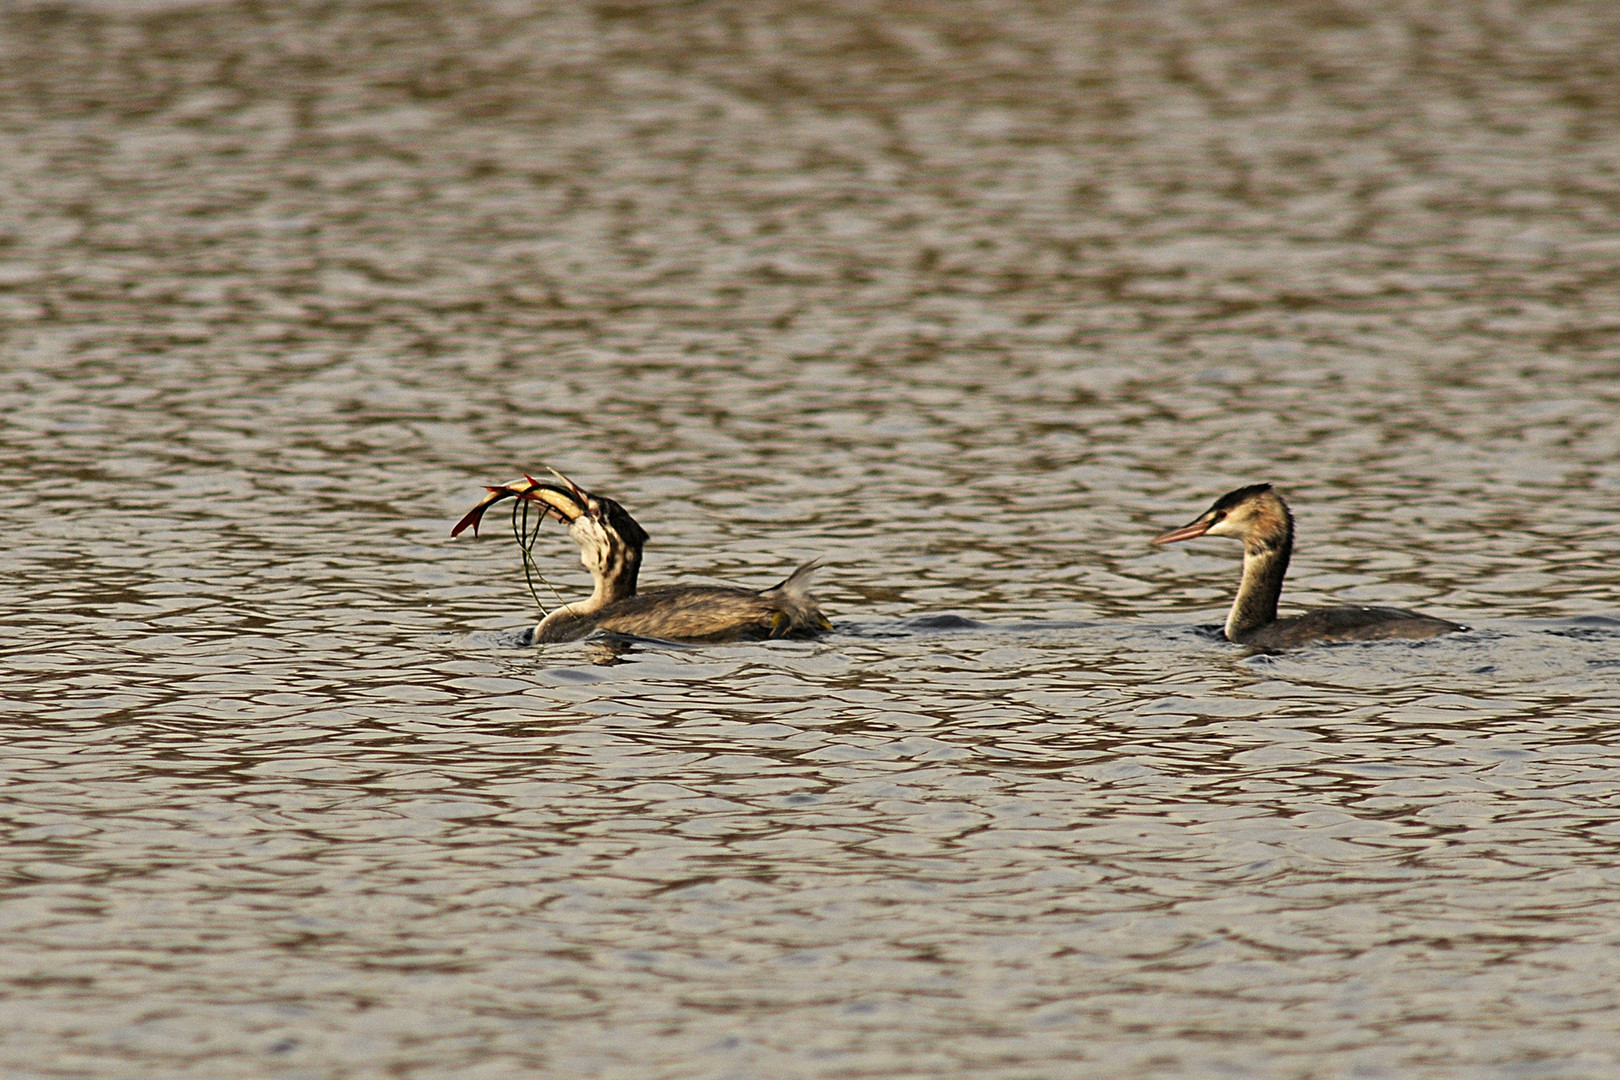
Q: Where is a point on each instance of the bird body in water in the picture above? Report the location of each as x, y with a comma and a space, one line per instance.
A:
1258, 516
610, 546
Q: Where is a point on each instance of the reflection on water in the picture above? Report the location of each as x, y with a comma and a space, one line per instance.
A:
968, 301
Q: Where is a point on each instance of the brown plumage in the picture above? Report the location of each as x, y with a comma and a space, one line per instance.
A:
1258, 516
699, 613
610, 546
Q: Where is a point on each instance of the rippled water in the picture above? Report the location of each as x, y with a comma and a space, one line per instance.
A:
967, 300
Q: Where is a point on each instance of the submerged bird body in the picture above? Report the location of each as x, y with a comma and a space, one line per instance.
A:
610, 546
1258, 516
1349, 623
700, 613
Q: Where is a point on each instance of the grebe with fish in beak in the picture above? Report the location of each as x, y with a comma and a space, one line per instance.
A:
610, 546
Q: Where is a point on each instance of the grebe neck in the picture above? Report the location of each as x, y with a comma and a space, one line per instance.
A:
613, 579
1265, 562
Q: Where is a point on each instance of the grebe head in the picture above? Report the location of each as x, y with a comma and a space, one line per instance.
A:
607, 536
610, 540
1254, 514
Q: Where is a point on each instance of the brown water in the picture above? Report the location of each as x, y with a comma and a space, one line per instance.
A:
967, 300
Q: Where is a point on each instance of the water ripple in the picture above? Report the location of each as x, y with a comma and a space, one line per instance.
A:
968, 307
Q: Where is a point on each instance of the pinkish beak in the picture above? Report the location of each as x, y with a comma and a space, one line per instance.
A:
1186, 532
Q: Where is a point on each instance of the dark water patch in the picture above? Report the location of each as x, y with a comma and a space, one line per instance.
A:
493, 639
1585, 628
572, 675
911, 626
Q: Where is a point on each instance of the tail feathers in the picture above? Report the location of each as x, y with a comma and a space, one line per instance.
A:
796, 586
798, 613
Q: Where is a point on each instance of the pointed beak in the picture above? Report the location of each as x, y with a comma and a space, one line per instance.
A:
581, 496
1186, 532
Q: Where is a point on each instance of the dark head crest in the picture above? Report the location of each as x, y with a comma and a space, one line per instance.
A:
1240, 496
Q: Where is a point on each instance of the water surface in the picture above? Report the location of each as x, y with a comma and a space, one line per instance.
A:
969, 301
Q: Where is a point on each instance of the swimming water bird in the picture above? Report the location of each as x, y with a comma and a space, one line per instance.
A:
610, 545
1258, 516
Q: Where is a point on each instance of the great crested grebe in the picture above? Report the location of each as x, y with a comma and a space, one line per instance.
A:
610, 544
1258, 516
